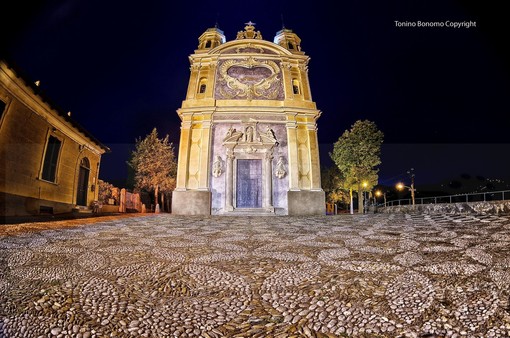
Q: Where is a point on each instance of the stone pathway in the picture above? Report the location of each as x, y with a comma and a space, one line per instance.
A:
388, 275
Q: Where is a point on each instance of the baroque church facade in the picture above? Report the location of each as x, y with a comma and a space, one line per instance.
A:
248, 142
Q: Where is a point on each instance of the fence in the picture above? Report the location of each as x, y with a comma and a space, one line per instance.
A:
460, 198
129, 201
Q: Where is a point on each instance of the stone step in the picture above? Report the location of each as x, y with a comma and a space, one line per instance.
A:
82, 210
251, 212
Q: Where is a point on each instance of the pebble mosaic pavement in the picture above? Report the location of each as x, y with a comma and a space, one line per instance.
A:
382, 275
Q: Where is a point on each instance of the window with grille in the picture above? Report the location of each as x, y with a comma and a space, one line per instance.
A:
49, 171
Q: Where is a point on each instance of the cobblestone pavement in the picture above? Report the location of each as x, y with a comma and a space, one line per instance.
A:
327, 276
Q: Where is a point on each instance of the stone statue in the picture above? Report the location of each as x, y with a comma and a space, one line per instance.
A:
280, 168
270, 135
230, 131
249, 134
217, 166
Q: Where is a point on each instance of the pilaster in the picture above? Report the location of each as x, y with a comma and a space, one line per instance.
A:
314, 157
292, 146
183, 159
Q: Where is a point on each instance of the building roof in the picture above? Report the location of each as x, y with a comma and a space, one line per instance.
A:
46, 99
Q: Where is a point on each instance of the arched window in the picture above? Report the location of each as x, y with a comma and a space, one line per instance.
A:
208, 44
295, 86
85, 163
202, 86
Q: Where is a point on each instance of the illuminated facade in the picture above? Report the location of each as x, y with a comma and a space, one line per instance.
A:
48, 163
248, 141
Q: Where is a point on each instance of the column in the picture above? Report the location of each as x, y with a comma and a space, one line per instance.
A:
230, 181
268, 181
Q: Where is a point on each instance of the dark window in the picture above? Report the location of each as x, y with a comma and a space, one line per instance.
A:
291, 45
51, 159
208, 44
202, 88
2, 108
296, 89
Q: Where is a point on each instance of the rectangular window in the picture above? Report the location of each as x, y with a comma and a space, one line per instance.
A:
49, 171
2, 108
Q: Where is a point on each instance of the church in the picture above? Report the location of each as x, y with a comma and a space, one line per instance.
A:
248, 142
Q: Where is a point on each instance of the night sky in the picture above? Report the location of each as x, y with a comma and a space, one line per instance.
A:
440, 95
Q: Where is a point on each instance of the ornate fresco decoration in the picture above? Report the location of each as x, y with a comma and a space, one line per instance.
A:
217, 166
280, 171
249, 79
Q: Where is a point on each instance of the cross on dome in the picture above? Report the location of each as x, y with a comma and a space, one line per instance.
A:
249, 23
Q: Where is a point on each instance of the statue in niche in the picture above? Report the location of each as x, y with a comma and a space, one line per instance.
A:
249, 134
217, 166
280, 171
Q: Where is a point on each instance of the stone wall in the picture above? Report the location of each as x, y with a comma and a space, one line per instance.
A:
26, 124
489, 208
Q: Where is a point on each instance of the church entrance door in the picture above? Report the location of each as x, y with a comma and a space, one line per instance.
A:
249, 184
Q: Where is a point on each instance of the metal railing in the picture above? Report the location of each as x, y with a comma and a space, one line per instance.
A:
460, 198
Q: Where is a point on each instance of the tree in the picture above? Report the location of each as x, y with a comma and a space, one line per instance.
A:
105, 191
154, 165
333, 184
357, 153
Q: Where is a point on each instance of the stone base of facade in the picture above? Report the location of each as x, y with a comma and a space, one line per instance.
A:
16, 205
191, 202
306, 202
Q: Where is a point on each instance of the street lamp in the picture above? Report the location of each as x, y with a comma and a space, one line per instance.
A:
379, 193
365, 185
401, 186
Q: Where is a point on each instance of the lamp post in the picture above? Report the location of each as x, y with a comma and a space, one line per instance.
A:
379, 193
411, 173
401, 186
365, 185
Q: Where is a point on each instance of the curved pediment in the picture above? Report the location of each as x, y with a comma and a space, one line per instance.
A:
250, 46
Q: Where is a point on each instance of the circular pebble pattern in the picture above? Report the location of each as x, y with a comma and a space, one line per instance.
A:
381, 275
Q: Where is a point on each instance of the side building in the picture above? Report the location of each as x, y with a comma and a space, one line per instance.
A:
49, 164
248, 143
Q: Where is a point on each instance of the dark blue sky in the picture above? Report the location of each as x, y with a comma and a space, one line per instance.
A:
121, 68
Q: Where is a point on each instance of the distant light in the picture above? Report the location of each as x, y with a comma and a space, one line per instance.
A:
37, 83
400, 185
378, 193
69, 113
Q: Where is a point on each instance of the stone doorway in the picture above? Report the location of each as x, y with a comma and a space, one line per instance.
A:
249, 184
249, 155
83, 182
